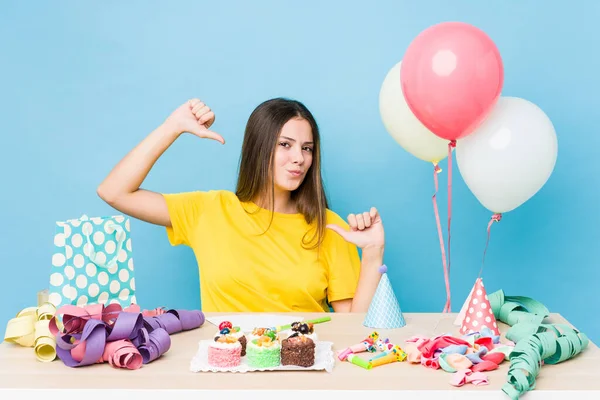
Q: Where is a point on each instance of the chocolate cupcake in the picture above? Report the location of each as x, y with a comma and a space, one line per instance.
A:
298, 349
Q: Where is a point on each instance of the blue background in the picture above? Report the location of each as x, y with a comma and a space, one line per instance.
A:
82, 83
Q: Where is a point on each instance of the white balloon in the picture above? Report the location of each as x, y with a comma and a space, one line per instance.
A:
403, 126
510, 156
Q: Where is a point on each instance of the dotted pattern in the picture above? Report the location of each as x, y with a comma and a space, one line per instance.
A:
479, 313
76, 279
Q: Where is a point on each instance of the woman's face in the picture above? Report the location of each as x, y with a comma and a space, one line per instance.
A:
293, 154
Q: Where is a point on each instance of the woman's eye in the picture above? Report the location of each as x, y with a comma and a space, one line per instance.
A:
309, 149
284, 144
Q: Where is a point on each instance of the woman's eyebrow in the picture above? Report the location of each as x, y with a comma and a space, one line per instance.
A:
293, 140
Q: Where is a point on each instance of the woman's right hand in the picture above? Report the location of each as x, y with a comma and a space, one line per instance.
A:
194, 117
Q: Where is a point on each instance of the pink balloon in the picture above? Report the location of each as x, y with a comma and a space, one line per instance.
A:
452, 75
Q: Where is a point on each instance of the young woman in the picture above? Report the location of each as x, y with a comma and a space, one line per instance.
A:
266, 247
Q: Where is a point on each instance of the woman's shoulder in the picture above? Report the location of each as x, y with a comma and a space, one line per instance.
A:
334, 218
223, 196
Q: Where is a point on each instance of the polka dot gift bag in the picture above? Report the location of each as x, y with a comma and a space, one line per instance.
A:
92, 262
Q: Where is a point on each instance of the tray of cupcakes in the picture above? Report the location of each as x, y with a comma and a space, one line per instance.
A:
263, 349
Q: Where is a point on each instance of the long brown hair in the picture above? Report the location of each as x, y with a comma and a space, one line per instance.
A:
257, 161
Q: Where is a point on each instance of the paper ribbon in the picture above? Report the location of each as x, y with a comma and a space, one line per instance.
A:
537, 345
30, 328
122, 337
174, 321
515, 309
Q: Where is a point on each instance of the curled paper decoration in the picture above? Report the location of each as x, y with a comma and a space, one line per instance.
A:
157, 344
30, 328
124, 338
122, 354
537, 345
174, 321
514, 309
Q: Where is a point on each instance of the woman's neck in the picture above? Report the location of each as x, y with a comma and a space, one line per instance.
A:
283, 202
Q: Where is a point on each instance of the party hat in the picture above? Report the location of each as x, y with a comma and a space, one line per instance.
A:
384, 311
479, 313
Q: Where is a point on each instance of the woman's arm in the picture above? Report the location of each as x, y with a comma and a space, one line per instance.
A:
372, 259
366, 232
121, 188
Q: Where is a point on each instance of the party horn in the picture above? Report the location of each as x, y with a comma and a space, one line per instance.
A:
356, 360
365, 345
395, 355
383, 345
357, 348
389, 348
280, 328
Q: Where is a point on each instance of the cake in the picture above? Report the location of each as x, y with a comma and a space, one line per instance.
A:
226, 328
306, 329
264, 351
298, 349
225, 351
258, 332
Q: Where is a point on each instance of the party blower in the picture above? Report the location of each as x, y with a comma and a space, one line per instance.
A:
385, 347
280, 328
396, 354
366, 345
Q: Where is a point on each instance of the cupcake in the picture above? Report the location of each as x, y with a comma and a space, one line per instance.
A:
258, 332
303, 328
263, 352
225, 351
298, 349
226, 328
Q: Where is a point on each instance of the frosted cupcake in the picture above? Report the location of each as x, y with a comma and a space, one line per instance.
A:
258, 332
263, 352
298, 349
225, 328
225, 351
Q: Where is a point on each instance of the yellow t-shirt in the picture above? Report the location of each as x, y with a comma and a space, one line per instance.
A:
243, 270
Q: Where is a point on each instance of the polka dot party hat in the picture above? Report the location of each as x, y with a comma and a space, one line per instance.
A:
478, 312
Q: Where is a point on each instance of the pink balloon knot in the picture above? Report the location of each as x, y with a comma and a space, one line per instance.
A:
496, 217
436, 168
452, 143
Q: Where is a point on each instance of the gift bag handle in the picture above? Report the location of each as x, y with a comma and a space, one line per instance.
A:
119, 234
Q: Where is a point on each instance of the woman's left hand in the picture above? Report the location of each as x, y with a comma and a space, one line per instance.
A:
366, 230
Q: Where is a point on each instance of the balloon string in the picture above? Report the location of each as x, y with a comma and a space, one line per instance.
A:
495, 218
436, 171
451, 145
